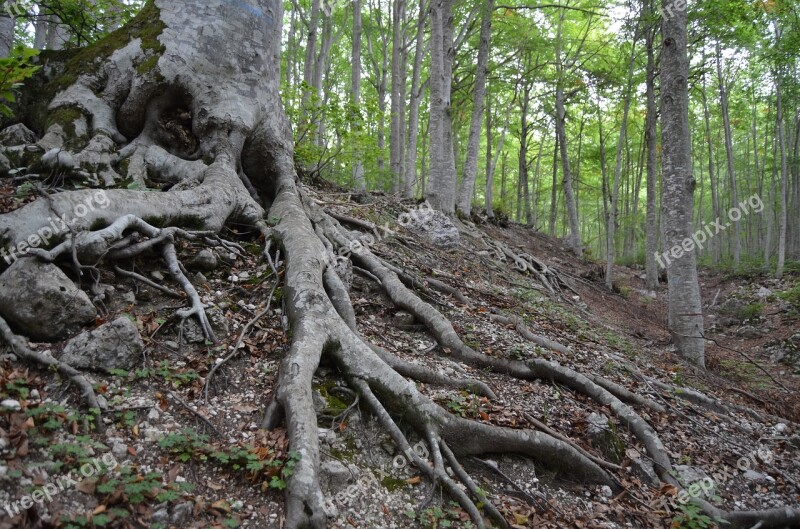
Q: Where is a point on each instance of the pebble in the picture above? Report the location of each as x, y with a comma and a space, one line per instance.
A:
153, 415
11, 404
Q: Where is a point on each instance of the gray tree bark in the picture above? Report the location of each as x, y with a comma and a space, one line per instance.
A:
685, 310
359, 182
716, 250
783, 216
6, 34
410, 166
726, 120
479, 94
651, 141
398, 78
441, 191
611, 225
574, 239
311, 53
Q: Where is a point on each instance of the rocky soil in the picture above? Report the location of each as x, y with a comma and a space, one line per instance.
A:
182, 445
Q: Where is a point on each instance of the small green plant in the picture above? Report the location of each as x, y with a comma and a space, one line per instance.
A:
188, 445
440, 517
750, 312
165, 371
691, 517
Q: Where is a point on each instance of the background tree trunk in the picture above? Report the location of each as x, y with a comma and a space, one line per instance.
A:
398, 78
359, 182
417, 90
651, 141
685, 310
473, 142
6, 34
726, 120
441, 185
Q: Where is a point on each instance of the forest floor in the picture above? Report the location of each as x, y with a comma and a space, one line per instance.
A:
187, 461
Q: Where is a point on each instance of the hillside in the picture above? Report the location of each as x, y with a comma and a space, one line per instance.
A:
184, 419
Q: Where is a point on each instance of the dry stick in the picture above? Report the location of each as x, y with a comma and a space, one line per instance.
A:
367, 274
363, 224
546, 429
22, 351
239, 341
194, 412
148, 282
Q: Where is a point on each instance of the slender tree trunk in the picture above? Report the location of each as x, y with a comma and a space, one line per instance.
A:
493, 167
40, 32
503, 181
356, 123
473, 142
685, 309
611, 226
536, 179
723, 101
651, 140
716, 249
783, 217
523, 156
311, 53
398, 78
320, 68
551, 226
794, 208
574, 239
489, 169
413, 112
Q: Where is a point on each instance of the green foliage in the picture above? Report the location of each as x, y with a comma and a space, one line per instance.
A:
691, 517
165, 371
188, 445
792, 296
437, 517
14, 70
